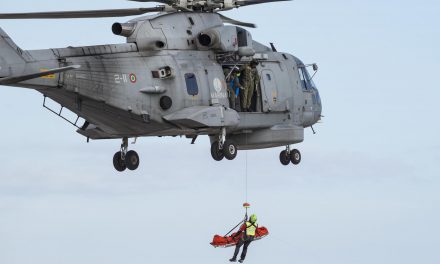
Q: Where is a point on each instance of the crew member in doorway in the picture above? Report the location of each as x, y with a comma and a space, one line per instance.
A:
249, 80
247, 230
255, 97
234, 87
246, 82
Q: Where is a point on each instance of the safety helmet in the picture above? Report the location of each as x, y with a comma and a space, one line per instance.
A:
253, 218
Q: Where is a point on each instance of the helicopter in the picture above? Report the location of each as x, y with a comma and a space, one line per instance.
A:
170, 79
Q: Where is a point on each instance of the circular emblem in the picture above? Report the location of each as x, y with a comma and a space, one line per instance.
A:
133, 78
217, 85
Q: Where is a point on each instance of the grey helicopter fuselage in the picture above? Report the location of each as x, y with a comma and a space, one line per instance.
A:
168, 80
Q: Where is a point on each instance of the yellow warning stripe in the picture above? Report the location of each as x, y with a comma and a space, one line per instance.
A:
49, 76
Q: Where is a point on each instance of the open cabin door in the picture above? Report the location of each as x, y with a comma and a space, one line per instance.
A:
218, 94
194, 83
269, 90
206, 85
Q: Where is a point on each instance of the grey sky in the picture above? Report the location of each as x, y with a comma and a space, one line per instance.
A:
365, 192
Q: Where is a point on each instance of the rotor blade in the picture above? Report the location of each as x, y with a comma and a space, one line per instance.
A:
168, 2
83, 14
236, 22
256, 2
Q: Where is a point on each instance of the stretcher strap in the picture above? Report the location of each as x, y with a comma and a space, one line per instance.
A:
234, 228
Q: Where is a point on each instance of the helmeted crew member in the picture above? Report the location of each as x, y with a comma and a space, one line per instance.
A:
248, 229
234, 87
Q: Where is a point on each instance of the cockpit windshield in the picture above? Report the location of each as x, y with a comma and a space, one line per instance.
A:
306, 82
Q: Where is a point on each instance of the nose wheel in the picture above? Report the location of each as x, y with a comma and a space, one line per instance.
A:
124, 159
290, 156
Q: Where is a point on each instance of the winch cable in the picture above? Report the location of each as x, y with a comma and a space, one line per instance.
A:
246, 204
246, 169
246, 177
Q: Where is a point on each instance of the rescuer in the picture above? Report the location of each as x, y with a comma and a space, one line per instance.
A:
247, 230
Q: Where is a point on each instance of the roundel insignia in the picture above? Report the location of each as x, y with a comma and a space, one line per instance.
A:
133, 78
217, 85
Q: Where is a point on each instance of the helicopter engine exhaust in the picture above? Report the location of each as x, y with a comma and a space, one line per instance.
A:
124, 29
207, 39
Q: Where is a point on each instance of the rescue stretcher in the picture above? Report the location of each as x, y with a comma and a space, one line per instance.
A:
232, 240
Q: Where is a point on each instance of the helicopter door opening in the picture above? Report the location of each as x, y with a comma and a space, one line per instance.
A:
269, 90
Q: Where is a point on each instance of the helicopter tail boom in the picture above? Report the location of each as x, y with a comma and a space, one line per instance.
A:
11, 56
35, 75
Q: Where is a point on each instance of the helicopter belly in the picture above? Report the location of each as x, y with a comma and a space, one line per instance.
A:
275, 136
204, 116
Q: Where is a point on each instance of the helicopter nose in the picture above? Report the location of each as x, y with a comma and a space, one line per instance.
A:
318, 108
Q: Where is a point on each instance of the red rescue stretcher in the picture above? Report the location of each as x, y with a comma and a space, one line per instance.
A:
229, 241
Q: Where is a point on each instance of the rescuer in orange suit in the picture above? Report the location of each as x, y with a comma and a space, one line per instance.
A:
248, 230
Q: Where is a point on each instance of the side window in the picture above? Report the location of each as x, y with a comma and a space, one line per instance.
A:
191, 84
242, 37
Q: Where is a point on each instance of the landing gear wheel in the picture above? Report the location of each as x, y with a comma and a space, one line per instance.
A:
229, 150
132, 160
284, 157
295, 157
118, 162
216, 152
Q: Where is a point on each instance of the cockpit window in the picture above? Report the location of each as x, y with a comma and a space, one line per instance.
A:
304, 77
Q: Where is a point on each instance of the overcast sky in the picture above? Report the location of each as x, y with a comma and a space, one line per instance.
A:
367, 190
